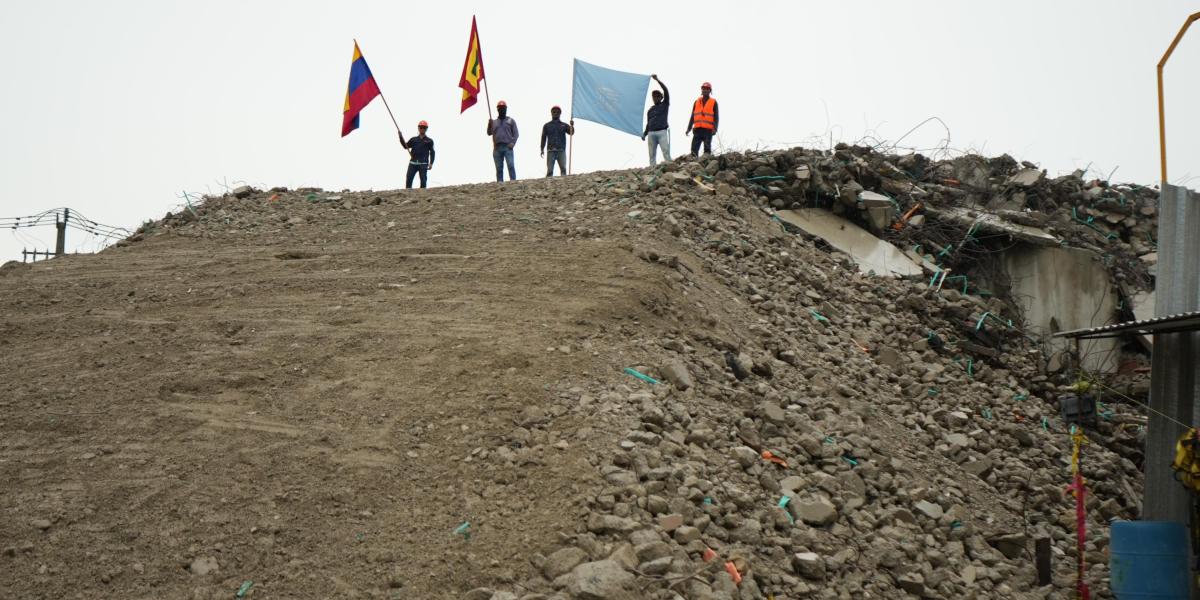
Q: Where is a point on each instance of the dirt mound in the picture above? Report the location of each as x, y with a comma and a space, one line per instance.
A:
416, 394
12, 267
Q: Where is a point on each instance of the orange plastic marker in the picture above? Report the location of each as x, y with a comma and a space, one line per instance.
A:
733, 572
766, 454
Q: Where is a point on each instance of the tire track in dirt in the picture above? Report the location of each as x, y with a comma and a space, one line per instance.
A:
314, 423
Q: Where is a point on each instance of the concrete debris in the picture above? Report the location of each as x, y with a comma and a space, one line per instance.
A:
677, 373
914, 421
871, 254
562, 562
602, 580
809, 565
814, 511
203, 565
1063, 289
1025, 177
993, 224
929, 509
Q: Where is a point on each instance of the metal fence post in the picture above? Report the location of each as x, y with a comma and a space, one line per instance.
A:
1175, 372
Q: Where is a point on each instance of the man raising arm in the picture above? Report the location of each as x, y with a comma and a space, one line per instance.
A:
657, 129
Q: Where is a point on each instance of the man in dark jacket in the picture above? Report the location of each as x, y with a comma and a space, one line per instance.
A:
503, 130
554, 141
657, 129
420, 154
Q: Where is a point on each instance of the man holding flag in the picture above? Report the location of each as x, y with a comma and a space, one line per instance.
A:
421, 155
656, 123
503, 130
554, 141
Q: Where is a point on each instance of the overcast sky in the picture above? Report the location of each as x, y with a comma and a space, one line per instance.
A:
116, 108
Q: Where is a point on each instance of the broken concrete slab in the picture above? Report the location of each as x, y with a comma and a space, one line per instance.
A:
1026, 177
869, 199
1061, 289
880, 210
992, 224
872, 254
1142, 304
925, 263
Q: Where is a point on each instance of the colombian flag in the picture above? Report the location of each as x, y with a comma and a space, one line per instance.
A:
359, 93
472, 72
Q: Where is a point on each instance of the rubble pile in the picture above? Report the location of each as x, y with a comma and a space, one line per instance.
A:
791, 427
999, 196
906, 464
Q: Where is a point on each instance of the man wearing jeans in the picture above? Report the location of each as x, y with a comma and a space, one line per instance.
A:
421, 155
554, 141
658, 133
704, 120
504, 137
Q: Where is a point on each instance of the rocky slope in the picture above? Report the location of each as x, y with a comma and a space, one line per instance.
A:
546, 389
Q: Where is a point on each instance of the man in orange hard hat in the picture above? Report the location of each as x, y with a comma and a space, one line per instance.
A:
503, 130
703, 120
420, 154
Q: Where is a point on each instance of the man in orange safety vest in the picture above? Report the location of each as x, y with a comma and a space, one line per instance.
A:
703, 120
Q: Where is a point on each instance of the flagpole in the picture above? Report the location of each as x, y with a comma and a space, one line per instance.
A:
571, 142
487, 97
382, 97
389, 109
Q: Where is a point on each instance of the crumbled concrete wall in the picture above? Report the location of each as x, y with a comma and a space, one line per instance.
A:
1060, 289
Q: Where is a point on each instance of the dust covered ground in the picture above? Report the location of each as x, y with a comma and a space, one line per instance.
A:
422, 394
305, 403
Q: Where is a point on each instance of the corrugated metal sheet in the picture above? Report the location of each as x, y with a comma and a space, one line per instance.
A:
1189, 321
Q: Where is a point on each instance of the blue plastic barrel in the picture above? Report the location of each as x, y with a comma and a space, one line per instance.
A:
1149, 560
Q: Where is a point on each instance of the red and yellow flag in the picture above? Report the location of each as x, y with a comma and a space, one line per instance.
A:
472, 73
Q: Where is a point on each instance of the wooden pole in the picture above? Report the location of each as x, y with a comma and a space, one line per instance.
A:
571, 143
488, 97
389, 109
1041, 551
60, 241
1162, 117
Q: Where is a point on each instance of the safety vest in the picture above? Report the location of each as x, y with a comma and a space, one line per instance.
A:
1187, 460
704, 114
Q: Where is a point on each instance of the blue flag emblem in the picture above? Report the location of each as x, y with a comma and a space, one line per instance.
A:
608, 97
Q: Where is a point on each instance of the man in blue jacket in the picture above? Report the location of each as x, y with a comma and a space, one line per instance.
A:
554, 141
420, 154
